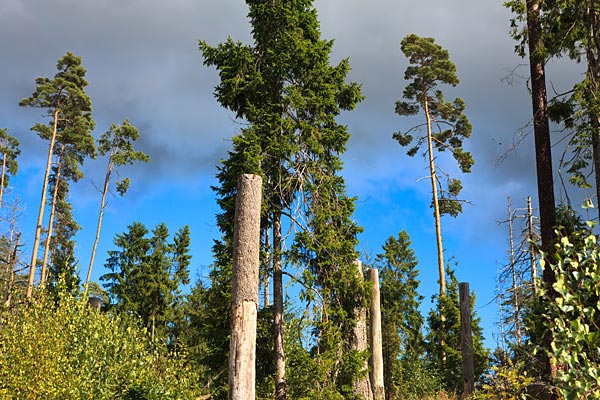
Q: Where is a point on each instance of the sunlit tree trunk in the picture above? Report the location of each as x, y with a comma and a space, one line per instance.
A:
38, 229
376, 340
109, 169
360, 342
44, 273
244, 291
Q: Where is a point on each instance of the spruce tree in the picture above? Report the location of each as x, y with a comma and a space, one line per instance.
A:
146, 275
284, 87
403, 342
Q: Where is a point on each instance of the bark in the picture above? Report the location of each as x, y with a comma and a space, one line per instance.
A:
466, 343
593, 74
38, 229
437, 218
543, 158
541, 130
2, 178
359, 342
513, 273
109, 169
532, 252
44, 273
280, 390
376, 340
244, 291
266, 272
434, 193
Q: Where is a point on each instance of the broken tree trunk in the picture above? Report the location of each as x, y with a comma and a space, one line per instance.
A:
244, 291
362, 386
376, 341
466, 343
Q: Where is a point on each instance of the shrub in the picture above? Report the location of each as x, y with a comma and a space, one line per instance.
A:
66, 350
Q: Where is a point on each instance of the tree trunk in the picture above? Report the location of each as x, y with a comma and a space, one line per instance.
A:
109, 168
466, 342
532, 253
2, 178
438, 222
44, 273
543, 158
541, 130
376, 340
244, 291
38, 229
593, 74
434, 193
267, 268
280, 390
359, 342
513, 272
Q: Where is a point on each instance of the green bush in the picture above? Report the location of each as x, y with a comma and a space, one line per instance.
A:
573, 316
69, 351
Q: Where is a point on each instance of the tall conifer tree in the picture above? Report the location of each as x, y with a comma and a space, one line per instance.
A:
403, 343
9, 148
284, 87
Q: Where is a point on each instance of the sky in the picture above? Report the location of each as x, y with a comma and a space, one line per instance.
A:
143, 63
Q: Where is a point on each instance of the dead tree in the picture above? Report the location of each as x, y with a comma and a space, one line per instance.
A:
244, 291
466, 342
359, 342
376, 340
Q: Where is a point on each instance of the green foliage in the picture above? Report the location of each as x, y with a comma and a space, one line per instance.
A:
506, 381
430, 65
448, 332
284, 87
9, 149
146, 275
403, 343
117, 144
69, 351
573, 316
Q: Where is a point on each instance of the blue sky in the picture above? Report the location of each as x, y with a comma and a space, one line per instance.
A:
143, 64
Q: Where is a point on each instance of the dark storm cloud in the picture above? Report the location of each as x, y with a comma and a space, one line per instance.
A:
143, 63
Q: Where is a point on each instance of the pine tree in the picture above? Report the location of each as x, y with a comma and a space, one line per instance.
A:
403, 342
117, 144
430, 65
74, 147
66, 103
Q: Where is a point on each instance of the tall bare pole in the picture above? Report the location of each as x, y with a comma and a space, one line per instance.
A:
532, 254
244, 291
360, 342
466, 344
376, 340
